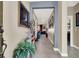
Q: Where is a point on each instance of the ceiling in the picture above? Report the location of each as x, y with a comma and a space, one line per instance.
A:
43, 15
72, 3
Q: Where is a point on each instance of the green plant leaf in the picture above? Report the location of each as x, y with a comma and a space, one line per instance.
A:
23, 49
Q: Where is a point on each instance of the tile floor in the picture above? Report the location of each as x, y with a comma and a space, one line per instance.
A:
73, 52
45, 50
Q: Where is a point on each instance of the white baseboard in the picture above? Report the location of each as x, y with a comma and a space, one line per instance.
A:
62, 54
55, 49
75, 46
71, 45
51, 42
59, 52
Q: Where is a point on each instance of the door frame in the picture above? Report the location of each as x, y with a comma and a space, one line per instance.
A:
71, 30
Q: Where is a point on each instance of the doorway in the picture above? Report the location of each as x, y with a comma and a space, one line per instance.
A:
44, 24
43, 17
70, 31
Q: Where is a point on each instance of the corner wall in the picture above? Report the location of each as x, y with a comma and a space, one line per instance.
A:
60, 26
62, 33
64, 29
76, 29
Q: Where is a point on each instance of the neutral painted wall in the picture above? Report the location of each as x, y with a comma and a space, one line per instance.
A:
60, 26
62, 22
70, 11
64, 29
76, 29
52, 14
56, 24
12, 33
27, 5
48, 4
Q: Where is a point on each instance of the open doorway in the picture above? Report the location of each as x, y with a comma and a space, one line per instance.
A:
44, 29
70, 31
44, 21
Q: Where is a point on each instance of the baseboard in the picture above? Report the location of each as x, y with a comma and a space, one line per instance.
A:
62, 54
51, 42
59, 52
75, 47
55, 49
71, 45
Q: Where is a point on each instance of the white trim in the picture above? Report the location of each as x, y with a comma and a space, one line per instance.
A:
55, 49
71, 30
62, 54
75, 46
72, 45
59, 52
64, 30
51, 41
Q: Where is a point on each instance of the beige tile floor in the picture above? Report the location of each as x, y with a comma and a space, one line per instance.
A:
73, 52
45, 50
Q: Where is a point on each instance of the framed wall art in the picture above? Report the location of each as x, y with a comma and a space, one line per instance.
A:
77, 19
51, 22
23, 15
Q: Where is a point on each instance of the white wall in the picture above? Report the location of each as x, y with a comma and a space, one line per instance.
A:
60, 26
64, 29
76, 29
72, 10
12, 33
62, 16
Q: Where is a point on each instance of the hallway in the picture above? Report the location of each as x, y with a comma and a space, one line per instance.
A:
45, 49
23, 19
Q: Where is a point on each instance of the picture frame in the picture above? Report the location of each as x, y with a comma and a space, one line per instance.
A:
23, 15
32, 24
77, 19
51, 22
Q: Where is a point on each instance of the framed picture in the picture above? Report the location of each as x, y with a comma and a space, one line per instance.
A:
23, 15
51, 22
32, 24
77, 19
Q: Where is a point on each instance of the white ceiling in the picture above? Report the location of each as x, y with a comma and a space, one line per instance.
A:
43, 15
72, 3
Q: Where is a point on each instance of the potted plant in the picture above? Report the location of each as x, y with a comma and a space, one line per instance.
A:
25, 49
